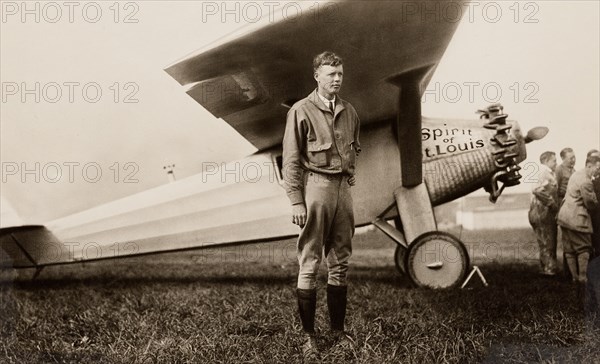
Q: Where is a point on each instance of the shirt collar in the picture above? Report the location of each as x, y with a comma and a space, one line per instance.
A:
325, 101
339, 106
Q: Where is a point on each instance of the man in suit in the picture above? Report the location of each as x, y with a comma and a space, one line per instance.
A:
320, 146
575, 220
592, 302
564, 171
542, 213
596, 214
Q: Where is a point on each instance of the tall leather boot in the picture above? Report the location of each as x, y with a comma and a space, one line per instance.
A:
307, 305
336, 303
582, 262
344, 345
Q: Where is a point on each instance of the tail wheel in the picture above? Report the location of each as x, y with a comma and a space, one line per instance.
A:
436, 260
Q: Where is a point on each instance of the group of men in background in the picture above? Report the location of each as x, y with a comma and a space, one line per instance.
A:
569, 199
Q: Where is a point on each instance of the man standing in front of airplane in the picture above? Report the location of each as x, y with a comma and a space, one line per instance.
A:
542, 213
575, 221
320, 146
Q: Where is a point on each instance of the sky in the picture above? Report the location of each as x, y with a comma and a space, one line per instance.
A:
108, 119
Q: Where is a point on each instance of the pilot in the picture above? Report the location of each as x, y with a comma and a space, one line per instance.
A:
542, 213
320, 146
575, 221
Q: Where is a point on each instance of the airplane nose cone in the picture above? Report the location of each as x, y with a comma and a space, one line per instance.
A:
536, 133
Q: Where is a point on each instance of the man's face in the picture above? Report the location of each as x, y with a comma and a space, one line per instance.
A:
594, 169
329, 79
569, 159
551, 163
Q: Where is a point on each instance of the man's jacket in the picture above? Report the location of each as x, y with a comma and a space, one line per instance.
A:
579, 201
318, 140
544, 202
563, 173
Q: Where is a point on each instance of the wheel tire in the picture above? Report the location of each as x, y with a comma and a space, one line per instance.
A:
437, 260
400, 259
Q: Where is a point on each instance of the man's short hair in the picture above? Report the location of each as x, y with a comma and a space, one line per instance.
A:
563, 153
545, 157
326, 58
592, 159
593, 151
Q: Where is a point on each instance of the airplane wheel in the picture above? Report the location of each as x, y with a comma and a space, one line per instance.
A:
437, 260
399, 259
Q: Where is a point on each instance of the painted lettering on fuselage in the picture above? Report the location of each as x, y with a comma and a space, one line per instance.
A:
443, 140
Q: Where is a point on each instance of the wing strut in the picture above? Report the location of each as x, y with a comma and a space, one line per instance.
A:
408, 123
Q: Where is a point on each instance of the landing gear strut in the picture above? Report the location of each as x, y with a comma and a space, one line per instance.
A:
430, 258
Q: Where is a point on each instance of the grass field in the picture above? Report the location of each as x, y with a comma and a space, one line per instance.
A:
237, 305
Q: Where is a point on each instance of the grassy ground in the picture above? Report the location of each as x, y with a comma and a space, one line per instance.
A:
237, 305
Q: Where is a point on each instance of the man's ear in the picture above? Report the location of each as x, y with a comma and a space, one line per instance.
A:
316, 75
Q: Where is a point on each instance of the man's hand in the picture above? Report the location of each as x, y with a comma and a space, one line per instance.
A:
352, 181
299, 214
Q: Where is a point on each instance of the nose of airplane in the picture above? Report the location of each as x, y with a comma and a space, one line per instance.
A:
536, 133
508, 143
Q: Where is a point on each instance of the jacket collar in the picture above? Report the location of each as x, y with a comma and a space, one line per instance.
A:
314, 98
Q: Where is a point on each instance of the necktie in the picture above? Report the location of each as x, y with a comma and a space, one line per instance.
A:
331, 107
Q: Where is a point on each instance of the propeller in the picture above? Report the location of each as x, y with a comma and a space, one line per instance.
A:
536, 133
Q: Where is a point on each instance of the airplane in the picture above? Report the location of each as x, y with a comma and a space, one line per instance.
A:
409, 163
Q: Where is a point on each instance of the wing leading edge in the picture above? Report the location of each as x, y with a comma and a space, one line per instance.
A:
249, 81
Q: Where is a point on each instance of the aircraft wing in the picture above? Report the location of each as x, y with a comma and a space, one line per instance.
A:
252, 80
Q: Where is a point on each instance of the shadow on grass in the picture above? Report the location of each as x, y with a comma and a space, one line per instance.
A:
498, 275
387, 276
126, 281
